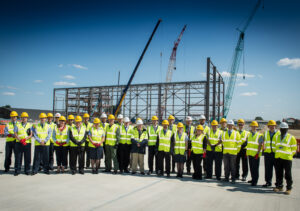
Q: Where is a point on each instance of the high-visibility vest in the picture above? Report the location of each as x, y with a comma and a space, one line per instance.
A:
61, 136
286, 148
96, 135
197, 144
111, 135
77, 136
22, 132
206, 130
244, 135
164, 140
137, 137
231, 145
213, 138
192, 131
173, 128
52, 126
88, 127
252, 144
11, 130
42, 133
103, 125
153, 134
179, 146
125, 136
270, 145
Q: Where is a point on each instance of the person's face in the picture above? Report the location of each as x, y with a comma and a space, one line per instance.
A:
188, 122
50, 119
283, 130
202, 121
180, 129
230, 127
224, 124
199, 132
24, 119
214, 127
71, 121
103, 120
56, 119
241, 126
43, 120
111, 121
96, 125
154, 122
165, 126
120, 120
139, 127
253, 128
78, 124
85, 119
13, 118
62, 123
126, 124
171, 121
272, 128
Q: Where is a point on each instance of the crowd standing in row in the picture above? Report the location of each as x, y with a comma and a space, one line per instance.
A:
124, 145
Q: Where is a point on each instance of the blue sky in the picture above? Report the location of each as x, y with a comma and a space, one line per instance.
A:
51, 44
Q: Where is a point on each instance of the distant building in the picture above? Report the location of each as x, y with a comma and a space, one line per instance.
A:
33, 113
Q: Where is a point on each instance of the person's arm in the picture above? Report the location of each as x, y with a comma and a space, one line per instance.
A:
49, 135
29, 133
90, 137
118, 136
260, 141
204, 143
102, 140
84, 138
6, 133
293, 144
145, 140
71, 137
16, 133
239, 141
54, 136
186, 143
157, 143
35, 135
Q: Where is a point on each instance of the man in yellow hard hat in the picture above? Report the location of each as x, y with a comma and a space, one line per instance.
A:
71, 119
180, 139
88, 125
202, 121
23, 134
223, 123
9, 133
189, 129
51, 147
125, 145
173, 128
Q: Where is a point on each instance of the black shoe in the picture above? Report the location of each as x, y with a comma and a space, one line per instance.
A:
233, 182
209, 178
218, 178
244, 179
149, 172
188, 173
106, 170
177, 176
73, 172
51, 168
115, 172
96, 171
142, 173
225, 180
126, 171
47, 172
253, 184
81, 172
16, 174
121, 171
133, 172
33, 173
237, 178
168, 175
27, 173
6, 170
249, 181
266, 185
173, 172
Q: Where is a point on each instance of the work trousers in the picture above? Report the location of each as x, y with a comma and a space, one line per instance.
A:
161, 156
197, 159
269, 166
283, 166
9, 149
111, 156
254, 168
87, 152
21, 150
137, 159
77, 153
212, 156
41, 153
151, 157
229, 165
124, 153
61, 155
173, 163
241, 156
51, 157
188, 161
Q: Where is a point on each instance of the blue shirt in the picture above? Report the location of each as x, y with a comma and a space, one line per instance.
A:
6, 133
36, 136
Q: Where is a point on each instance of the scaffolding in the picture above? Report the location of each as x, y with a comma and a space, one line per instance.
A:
189, 98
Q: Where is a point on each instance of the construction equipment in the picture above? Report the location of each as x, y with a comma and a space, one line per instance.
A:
236, 60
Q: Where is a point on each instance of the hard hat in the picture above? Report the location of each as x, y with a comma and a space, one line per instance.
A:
241, 121
42, 115
70, 116
271, 123
179, 125
96, 120
171, 117
120, 116
139, 122
126, 119
103, 115
62, 118
199, 127
13, 113
254, 123
24, 114
230, 122
202, 116
284, 125
223, 120
111, 117
49, 115
188, 118
58, 115
138, 119
165, 122
154, 118
86, 115
214, 123
78, 119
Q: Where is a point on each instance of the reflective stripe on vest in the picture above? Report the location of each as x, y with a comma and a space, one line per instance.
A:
77, 136
137, 137
42, 133
61, 136
96, 135
192, 130
10, 127
111, 135
197, 144
22, 131
286, 148
152, 135
87, 128
252, 144
213, 139
179, 146
52, 126
164, 140
267, 141
125, 136
230, 144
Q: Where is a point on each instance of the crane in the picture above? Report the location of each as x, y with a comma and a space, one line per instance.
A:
236, 60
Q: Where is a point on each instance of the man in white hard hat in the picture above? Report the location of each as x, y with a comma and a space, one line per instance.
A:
202, 121
119, 123
125, 145
56, 118
189, 130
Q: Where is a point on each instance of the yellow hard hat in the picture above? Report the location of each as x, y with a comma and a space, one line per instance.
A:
24, 114
199, 127
171, 117
49, 115
271, 123
13, 113
71, 116
62, 118
179, 125
223, 120
42, 115
78, 119
254, 123
86, 115
241, 121
96, 120
165, 122
214, 123
138, 119
154, 118
111, 117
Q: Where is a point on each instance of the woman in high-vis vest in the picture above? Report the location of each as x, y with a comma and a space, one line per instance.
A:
180, 148
60, 138
96, 137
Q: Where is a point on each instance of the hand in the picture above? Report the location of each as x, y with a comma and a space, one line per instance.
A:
10, 135
24, 142
43, 143
138, 145
185, 153
256, 156
57, 143
204, 154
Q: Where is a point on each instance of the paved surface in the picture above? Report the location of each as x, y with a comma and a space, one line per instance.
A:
126, 192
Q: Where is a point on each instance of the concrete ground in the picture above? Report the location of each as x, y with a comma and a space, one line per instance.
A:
127, 192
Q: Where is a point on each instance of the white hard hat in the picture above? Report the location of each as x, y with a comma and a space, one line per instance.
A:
202, 116
126, 119
57, 115
188, 118
103, 115
139, 122
120, 116
230, 122
284, 125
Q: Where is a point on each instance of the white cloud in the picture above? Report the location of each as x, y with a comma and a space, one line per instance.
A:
69, 77
78, 66
291, 63
40, 93
249, 94
38, 81
60, 65
8, 87
242, 84
9, 93
64, 83
239, 75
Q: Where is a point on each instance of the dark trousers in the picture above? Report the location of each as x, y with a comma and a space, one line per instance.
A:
87, 152
41, 153
67, 154
51, 157
173, 163
151, 157
285, 166
241, 156
254, 169
124, 156
269, 166
77, 152
9, 149
19, 151
61, 155
197, 159
229, 165
212, 156
161, 156
188, 161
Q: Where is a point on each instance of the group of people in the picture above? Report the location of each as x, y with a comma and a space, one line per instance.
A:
124, 146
